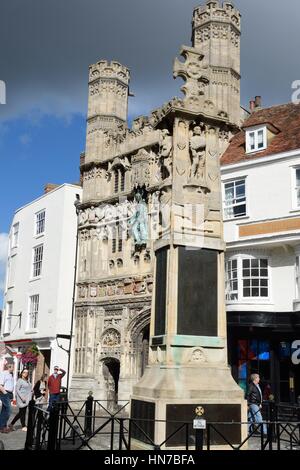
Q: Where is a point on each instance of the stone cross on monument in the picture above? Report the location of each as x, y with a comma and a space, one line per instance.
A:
193, 73
188, 348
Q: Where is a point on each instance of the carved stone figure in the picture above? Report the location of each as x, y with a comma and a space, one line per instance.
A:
139, 221
92, 214
83, 216
197, 147
165, 150
99, 213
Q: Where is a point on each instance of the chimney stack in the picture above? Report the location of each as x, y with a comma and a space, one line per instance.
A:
258, 102
252, 106
49, 187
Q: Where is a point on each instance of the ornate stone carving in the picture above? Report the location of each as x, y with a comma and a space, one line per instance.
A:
82, 292
93, 291
165, 153
112, 322
143, 168
198, 356
106, 69
197, 149
96, 172
235, 38
195, 75
111, 338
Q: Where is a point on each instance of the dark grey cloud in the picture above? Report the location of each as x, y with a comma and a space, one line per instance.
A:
46, 47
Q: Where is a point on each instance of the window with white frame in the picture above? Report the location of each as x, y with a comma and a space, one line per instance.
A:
8, 318
255, 277
232, 279
34, 301
37, 260
235, 199
297, 275
40, 222
247, 278
15, 235
256, 139
296, 179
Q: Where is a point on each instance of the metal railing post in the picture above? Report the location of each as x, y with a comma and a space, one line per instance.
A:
38, 429
199, 439
53, 427
112, 434
30, 426
187, 436
129, 434
121, 432
208, 436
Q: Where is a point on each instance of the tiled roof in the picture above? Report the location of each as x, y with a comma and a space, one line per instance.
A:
286, 118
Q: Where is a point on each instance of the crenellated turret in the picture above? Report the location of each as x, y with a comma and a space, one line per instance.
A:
216, 34
107, 104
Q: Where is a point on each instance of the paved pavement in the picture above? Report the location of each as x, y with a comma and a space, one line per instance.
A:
16, 440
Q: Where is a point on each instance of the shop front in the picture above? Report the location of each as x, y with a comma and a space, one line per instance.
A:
267, 344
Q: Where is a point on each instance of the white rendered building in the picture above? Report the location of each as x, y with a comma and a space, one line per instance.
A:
40, 277
261, 199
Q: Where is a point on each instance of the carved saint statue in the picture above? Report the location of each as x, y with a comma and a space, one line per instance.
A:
197, 147
92, 214
139, 221
165, 149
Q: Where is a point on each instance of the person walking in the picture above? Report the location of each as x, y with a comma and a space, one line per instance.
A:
40, 390
54, 385
254, 399
6, 395
23, 394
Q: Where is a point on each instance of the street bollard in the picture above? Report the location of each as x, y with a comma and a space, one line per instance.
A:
88, 415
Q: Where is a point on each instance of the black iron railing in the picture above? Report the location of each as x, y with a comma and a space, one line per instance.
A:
94, 424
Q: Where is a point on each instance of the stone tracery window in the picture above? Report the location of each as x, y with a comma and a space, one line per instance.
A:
117, 238
119, 179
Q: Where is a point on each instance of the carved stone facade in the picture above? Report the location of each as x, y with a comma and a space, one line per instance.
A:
124, 169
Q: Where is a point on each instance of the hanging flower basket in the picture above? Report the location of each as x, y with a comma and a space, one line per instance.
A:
30, 356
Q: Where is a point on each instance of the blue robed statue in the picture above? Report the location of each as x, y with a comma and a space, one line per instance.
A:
139, 221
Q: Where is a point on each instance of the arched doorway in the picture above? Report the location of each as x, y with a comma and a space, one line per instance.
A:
145, 334
111, 374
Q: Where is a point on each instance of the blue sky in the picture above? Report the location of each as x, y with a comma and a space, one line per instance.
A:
33, 153
46, 48
37, 152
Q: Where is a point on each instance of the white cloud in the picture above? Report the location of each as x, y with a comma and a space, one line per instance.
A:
3, 258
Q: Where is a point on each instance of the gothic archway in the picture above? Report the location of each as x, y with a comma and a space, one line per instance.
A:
138, 334
145, 335
111, 373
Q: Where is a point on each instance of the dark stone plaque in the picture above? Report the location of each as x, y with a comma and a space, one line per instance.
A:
213, 414
157, 341
160, 291
197, 292
142, 421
